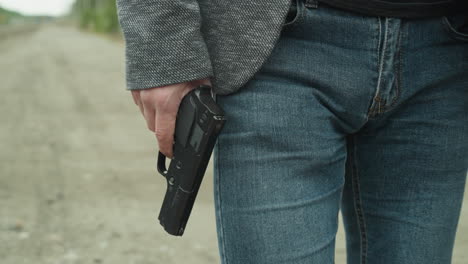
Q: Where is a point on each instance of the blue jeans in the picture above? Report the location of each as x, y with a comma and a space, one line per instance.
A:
359, 114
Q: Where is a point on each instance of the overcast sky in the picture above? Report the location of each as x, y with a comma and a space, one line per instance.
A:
38, 7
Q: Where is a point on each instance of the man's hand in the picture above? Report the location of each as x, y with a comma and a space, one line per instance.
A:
159, 106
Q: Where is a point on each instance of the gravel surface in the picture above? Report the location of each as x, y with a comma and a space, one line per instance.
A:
78, 182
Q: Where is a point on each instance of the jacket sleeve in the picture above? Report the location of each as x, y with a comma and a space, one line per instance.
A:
164, 44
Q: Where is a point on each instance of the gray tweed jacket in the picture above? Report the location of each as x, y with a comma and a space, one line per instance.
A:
172, 41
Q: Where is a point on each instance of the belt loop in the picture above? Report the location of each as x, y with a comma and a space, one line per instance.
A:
311, 3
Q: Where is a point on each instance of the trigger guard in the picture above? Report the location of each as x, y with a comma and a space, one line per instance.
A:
162, 164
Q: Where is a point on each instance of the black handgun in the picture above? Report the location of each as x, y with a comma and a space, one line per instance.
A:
198, 124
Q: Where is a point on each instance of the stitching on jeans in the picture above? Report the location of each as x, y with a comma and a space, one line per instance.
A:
301, 8
373, 110
371, 107
218, 197
398, 70
382, 58
453, 32
378, 42
358, 202
311, 3
298, 16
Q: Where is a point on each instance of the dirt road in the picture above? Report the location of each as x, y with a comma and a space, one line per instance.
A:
77, 166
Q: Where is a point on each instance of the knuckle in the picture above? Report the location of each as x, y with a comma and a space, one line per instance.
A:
165, 139
146, 97
166, 150
161, 134
161, 101
150, 127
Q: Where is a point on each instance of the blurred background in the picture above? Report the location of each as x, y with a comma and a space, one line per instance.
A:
78, 182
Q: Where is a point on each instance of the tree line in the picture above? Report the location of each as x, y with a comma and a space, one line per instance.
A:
7, 16
96, 15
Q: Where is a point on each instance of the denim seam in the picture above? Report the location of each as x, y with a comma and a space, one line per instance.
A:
293, 3
383, 108
453, 32
400, 62
311, 4
378, 42
377, 99
218, 197
300, 10
370, 111
358, 202
397, 68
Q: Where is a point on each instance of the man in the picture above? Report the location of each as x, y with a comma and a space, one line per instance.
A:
354, 105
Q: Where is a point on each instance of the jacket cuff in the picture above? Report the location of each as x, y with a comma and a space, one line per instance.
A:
164, 44
147, 70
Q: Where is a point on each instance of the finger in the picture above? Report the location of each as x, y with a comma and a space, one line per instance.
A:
136, 97
164, 131
137, 100
149, 113
142, 110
